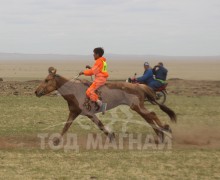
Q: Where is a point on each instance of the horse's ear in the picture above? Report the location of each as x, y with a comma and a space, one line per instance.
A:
52, 70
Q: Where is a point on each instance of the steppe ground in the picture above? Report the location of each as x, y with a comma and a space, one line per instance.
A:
193, 93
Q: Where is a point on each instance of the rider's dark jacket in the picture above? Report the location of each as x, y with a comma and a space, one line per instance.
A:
160, 72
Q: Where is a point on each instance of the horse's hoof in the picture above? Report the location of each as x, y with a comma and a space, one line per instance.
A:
167, 128
167, 131
161, 137
56, 141
111, 137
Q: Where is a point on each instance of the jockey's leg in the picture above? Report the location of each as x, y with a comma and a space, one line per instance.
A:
91, 92
93, 96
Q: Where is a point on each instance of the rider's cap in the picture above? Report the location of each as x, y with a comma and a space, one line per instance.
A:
146, 64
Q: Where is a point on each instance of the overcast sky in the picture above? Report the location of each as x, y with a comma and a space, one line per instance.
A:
156, 27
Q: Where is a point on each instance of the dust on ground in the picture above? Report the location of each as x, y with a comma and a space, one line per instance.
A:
196, 137
199, 137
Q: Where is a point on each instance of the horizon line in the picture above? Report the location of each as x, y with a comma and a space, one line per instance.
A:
114, 54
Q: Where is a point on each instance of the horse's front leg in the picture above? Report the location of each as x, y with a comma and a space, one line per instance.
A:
71, 118
95, 119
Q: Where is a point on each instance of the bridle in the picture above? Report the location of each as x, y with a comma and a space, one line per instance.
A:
42, 92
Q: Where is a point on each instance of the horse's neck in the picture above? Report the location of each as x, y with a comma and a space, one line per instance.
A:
60, 81
67, 88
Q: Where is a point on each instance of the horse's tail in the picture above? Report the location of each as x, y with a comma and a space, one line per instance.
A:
167, 110
151, 97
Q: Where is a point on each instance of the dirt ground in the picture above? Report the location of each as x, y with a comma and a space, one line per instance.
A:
175, 86
194, 138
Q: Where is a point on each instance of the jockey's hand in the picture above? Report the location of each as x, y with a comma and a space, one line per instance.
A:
133, 80
81, 73
88, 67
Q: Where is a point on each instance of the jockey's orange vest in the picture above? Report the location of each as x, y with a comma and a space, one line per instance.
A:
100, 68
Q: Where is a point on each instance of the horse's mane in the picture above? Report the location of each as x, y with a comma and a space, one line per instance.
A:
137, 89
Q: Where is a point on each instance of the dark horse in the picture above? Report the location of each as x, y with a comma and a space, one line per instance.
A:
114, 94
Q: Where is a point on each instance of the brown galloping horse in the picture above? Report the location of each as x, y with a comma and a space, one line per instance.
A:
114, 94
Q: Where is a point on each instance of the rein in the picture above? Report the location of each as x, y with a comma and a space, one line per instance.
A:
75, 78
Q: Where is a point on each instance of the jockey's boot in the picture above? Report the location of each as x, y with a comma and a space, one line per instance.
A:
102, 105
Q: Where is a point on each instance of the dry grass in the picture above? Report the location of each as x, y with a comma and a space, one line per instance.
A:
195, 153
37, 164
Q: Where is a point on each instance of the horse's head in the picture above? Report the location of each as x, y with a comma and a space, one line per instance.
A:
48, 85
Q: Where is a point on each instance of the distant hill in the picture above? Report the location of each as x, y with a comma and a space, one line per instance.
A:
59, 57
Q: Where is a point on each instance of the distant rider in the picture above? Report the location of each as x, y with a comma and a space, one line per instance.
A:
148, 78
160, 73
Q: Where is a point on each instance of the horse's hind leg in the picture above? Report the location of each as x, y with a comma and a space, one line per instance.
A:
95, 119
149, 118
165, 127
